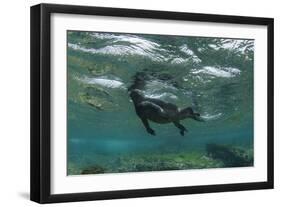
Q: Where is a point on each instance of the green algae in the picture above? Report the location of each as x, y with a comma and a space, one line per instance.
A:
106, 115
231, 156
145, 163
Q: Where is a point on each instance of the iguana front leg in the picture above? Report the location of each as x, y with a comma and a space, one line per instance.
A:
180, 127
146, 125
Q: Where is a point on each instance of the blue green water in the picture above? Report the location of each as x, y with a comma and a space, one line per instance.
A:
214, 76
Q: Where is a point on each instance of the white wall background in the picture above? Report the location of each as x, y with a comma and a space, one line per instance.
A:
14, 109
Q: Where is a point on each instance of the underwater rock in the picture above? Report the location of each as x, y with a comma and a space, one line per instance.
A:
163, 162
97, 71
158, 166
148, 163
230, 156
96, 91
72, 169
100, 69
98, 98
96, 169
92, 101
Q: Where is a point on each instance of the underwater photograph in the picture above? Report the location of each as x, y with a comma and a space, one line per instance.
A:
147, 102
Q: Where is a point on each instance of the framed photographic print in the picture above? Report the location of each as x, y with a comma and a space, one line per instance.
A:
132, 103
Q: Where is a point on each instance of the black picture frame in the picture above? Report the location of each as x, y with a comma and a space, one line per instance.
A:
41, 97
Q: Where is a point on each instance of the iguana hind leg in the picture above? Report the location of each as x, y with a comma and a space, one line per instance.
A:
180, 127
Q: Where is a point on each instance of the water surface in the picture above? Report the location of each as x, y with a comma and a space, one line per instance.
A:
212, 75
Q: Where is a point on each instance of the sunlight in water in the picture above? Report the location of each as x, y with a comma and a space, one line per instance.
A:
212, 76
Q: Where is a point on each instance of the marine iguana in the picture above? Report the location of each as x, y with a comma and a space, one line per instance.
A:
157, 110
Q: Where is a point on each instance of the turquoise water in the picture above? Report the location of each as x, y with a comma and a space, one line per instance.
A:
214, 76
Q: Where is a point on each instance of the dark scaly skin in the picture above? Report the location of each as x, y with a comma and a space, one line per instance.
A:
160, 111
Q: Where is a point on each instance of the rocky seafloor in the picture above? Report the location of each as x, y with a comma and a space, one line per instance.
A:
215, 156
